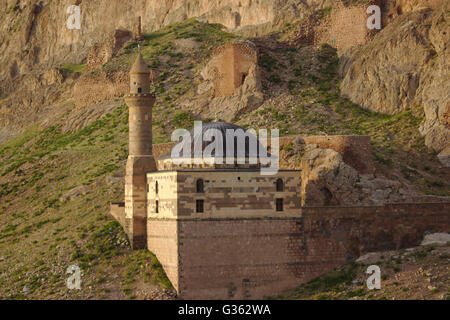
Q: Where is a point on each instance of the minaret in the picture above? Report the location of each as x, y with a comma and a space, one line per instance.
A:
140, 159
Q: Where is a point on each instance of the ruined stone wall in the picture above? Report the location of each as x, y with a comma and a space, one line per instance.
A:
95, 88
252, 258
101, 53
344, 27
161, 149
230, 65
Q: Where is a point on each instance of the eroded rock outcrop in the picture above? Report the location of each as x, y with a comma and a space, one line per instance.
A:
405, 65
328, 181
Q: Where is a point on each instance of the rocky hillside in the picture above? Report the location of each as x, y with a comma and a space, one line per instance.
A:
63, 123
37, 48
406, 65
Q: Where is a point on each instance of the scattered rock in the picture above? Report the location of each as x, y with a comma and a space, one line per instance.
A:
25, 290
436, 238
75, 193
444, 157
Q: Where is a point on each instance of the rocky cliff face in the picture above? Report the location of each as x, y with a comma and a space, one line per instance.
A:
35, 41
405, 65
35, 32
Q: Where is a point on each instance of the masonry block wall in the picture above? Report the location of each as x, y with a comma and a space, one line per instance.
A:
239, 258
253, 258
227, 193
355, 231
162, 240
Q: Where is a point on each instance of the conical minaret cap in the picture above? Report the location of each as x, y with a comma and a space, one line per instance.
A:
140, 66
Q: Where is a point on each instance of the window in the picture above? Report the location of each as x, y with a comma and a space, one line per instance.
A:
139, 90
280, 185
279, 204
134, 83
200, 186
199, 206
156, 187
157, 206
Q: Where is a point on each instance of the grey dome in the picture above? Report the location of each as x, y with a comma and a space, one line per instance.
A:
222, 127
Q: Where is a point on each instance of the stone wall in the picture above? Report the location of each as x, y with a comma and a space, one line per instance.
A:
162, 149
252, 258
230, 66
354, 231
227, 193
239, 258
346, 26
95, 88
162, 240
100, 54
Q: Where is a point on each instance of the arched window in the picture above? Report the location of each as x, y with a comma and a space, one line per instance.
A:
156, 187
200, 186
280, 185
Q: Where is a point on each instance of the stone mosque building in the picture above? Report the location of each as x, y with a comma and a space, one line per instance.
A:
225, 231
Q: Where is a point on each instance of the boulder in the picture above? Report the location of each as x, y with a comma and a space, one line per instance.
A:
75, 193
328, 181
436, 238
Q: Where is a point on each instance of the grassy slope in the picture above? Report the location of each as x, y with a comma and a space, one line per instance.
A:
40, 235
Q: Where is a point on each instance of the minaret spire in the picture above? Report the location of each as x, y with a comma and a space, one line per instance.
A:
140, 158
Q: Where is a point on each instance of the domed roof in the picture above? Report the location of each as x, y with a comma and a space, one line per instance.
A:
228, 131
139, 66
